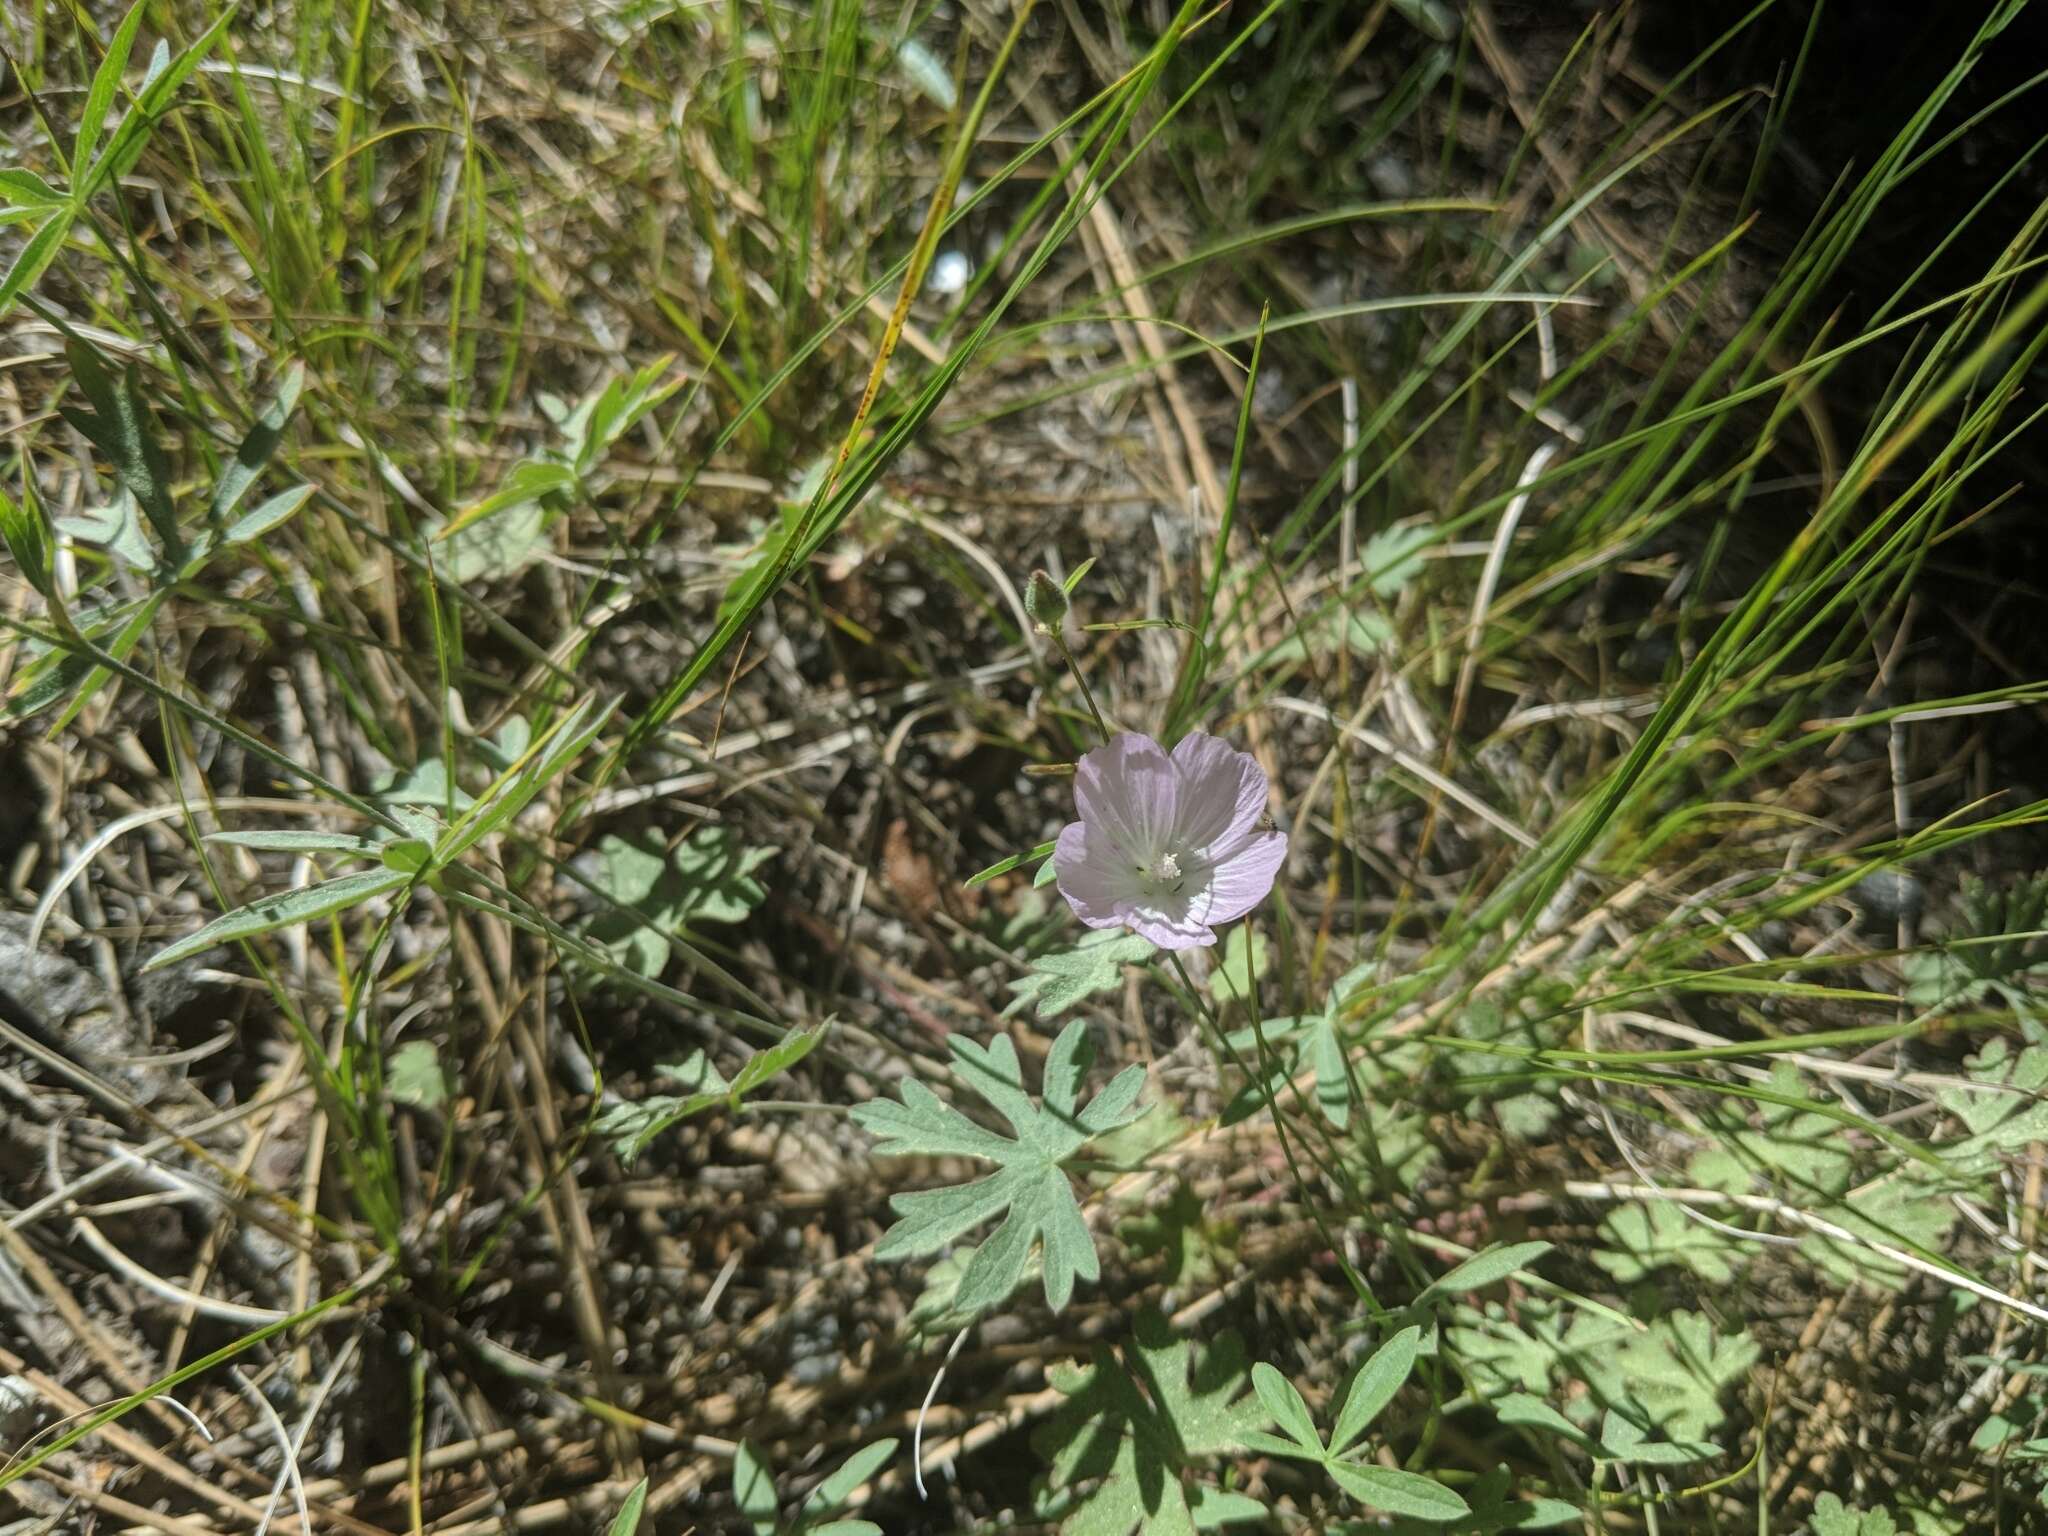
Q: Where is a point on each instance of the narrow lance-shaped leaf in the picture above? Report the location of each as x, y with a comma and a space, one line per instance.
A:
27, 538
166, 75
1398, 1493
279, 841
36, 253
1282, 1399
753, 1487
831, 1494
1488, 1268
546, 759
627, 1521
259, 446
1374, 1387
118, 425
288, 910
99, 97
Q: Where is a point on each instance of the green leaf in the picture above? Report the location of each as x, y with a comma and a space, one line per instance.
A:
753, 1487
414, 1076
1143, 1427
258, 447
1197, 1248
27, 537
524, 485
1831, 1517
512, 791
1398, 1493
277, 841
627, 1521
1366, 633
1524, 1411
710, 878
161, 83
1623, 1439
502, 545
1487, 1268
619, 407
1282, 1400
830, 1496
1029, 1192
266, 517
1494, 1509
1393, 556
117, 526
36, 253
1325, 1055
1640, 1239
289, 910
2004, 1114
408, 855
1004, 866
1669, 1377
631, 1128
26, 191
99, 97
1229, 980
717, 877
426, 783
119, 426
1059, 981
1374, 1387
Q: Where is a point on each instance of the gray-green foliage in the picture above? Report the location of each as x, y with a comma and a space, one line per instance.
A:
432, 847
1136, 1445
753, 1489
1058, 981
631, 1128
1668, 1376
501, 533
1382, 1488
43, 216
1831, 1517
708, 877
1997, 961
140, 528
1030, 1190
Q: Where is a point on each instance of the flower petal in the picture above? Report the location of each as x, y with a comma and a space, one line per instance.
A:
1129, 790
1097, 880
1170, 930
1242, 878
1222, 791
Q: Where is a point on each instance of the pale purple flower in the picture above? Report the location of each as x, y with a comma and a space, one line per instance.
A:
1167, 845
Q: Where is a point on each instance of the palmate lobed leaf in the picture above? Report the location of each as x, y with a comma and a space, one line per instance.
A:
1060, 980
1141, 1425
1029, 1192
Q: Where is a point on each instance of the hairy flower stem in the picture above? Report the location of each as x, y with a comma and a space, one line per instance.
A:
1060, 640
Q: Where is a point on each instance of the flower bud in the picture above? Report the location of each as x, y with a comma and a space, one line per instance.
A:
1045, 601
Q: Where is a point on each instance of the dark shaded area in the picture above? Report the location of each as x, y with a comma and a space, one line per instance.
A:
1868, 65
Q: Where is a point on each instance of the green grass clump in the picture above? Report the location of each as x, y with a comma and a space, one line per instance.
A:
559, 558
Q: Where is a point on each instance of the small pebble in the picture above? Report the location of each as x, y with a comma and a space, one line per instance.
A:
1886, 895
